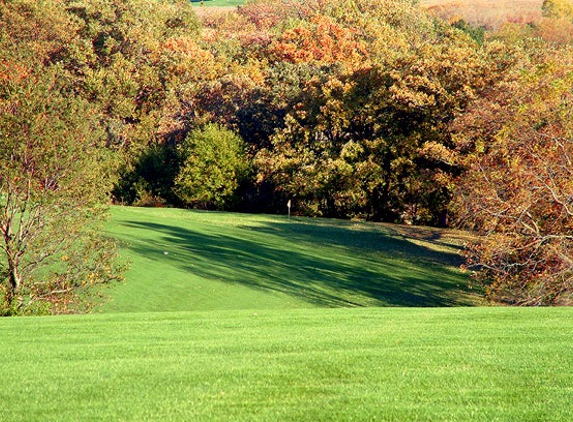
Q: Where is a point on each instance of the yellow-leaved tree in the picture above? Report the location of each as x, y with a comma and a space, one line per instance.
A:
558, 9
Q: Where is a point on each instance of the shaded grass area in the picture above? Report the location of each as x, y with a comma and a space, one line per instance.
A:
188, 260
392, 364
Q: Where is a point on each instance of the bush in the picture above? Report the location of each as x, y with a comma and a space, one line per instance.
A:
214, 163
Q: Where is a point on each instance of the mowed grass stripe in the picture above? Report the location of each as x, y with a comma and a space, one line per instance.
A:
188, 260
396, 364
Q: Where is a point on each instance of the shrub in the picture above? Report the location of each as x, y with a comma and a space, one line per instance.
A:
213, 166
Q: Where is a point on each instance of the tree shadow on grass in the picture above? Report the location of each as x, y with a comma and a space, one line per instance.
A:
329, 267
390, 240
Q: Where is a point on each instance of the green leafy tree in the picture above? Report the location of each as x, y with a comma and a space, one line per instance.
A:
213, 166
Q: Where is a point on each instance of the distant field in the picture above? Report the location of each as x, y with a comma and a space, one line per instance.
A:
217, 3
191, 260
210, 7
455, 364
489, 13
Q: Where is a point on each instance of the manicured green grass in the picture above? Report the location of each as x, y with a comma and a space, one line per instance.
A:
188, 260
243, 352
217, 3
390, 364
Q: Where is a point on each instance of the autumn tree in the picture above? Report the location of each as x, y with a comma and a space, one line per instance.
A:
556, 27
369, 111
53, 178
517, 192
557, 9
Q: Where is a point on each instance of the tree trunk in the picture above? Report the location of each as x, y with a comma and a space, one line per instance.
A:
15, 281
444, 219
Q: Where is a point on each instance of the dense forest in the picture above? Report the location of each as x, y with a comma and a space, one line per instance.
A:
371, 109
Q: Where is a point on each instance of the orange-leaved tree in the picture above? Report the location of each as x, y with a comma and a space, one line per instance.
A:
365, 132
517, 191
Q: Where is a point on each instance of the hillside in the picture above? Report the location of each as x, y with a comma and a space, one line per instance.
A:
192, 260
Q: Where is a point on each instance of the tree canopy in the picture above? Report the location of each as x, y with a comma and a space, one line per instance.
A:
213, 166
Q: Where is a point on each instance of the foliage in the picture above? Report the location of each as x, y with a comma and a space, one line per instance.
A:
368, 109
139, 55
213, 167
557, 26
476, 32
557, 9
150, 180
517, 190
53, 180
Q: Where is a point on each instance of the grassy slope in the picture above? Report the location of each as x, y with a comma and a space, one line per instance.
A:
394, 364
186, 260
474, 364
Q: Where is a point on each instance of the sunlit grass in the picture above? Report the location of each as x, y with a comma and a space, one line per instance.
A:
189, 260
242, 353
391, 364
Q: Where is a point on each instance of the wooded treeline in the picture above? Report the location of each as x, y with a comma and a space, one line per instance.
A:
369, 109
